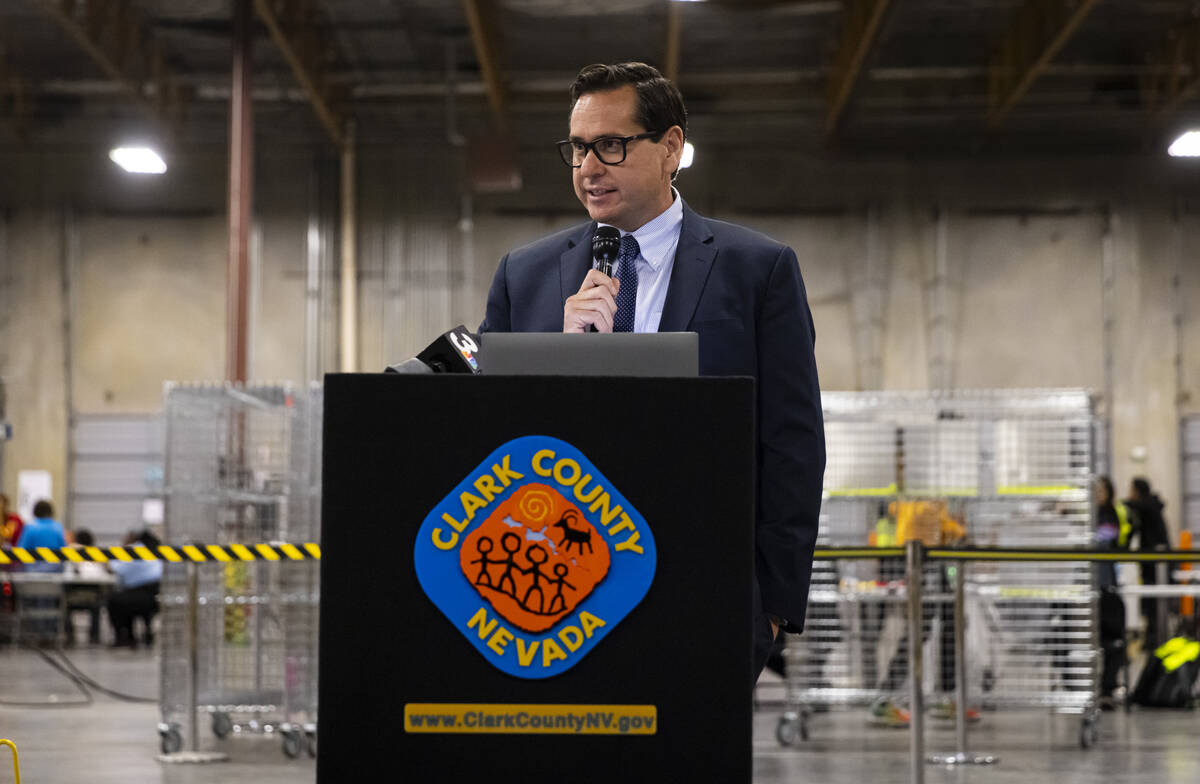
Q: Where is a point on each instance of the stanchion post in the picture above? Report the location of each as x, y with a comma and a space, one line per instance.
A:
960, 659
1162, 616
914, 575
960, 757
193, 638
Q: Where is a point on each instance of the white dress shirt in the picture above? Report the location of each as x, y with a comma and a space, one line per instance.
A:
657, 242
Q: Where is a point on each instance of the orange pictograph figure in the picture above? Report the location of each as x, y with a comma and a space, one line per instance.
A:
549, 559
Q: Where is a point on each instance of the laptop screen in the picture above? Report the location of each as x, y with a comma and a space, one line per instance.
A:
655, 354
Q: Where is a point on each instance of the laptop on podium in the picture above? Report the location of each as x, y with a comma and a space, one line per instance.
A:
645, 354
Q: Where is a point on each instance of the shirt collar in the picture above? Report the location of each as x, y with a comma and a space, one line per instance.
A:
658, 238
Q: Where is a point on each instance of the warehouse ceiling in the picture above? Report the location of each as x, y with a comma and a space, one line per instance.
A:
906, 77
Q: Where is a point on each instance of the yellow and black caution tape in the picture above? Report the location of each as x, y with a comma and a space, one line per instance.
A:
1009, 554
195, 553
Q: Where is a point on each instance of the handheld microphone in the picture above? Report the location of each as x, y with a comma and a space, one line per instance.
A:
606, 244
451, 352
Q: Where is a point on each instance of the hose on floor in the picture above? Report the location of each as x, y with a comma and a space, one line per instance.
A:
76, 682
86, 680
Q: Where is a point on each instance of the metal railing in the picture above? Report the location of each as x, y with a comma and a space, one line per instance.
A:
916, 554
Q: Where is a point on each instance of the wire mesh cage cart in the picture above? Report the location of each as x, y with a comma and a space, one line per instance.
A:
240, 638
1003, 468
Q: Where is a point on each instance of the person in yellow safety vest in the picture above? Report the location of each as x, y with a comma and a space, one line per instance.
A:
884, 534
927, 521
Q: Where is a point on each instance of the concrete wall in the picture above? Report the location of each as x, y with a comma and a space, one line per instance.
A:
34, 347
1004, 289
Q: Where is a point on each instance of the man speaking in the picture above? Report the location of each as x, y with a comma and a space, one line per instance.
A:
677, 271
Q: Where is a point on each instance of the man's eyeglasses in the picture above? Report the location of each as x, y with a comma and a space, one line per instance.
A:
609, 150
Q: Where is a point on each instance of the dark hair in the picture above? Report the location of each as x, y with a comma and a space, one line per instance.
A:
43, 509
659, 102
1108, 503
1141, 487
84, 537
147, 539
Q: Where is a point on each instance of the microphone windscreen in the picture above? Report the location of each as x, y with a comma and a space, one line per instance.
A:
412, 365
606, 244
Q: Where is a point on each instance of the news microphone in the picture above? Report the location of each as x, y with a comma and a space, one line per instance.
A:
409, 366
452, 352
606, 244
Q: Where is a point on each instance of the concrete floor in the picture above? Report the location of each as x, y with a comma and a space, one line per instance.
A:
112, 741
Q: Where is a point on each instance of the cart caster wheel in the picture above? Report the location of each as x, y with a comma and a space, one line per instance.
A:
310, 743
222, 725
789, 729
169, 739
1089, 733
293, 744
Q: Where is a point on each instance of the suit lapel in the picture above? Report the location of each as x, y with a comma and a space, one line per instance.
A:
693, 261
576, 261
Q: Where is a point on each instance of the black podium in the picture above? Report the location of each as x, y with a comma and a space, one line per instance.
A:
536, 579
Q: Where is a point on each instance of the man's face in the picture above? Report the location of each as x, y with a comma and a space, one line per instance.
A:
630, 194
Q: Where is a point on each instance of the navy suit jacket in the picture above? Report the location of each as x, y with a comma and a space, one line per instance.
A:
742, 292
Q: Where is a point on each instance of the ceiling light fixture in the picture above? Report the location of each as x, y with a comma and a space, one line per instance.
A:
1186, 146
138, 160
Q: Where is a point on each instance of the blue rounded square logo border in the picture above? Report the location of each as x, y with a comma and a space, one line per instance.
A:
521, 461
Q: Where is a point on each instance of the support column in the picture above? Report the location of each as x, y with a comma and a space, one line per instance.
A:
349, 311
241, 192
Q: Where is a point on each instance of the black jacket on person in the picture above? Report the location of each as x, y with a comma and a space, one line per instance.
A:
1152, 529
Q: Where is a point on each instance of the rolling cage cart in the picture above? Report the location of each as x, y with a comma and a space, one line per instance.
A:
240, 638
1013, 468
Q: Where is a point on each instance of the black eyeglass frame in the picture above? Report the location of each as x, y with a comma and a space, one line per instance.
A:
566, 148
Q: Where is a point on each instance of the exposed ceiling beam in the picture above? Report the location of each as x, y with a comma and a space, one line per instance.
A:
14, 98
304, 43
114, 35
1040, 28
674, 36
1178, 77
864, 20
481, 15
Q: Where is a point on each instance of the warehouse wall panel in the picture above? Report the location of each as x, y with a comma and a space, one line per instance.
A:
150, 306
34, 368
1029, 301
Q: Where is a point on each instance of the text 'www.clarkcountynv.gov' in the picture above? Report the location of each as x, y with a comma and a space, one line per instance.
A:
441, 717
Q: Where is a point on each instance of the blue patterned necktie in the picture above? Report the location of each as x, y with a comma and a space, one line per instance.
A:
628, 274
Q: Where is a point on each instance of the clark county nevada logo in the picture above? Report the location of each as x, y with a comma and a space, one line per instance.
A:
535, 557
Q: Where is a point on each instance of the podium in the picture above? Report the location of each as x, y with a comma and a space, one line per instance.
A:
536, 578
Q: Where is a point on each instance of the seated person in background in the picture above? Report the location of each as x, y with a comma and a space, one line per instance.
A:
43, 531
10, 524
87, 582
136, 595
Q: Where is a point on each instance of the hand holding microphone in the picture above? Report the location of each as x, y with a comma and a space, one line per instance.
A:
595, 304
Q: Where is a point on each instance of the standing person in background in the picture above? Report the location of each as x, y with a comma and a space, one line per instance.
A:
1151, 532
43, 531
1113, 528
10, 524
